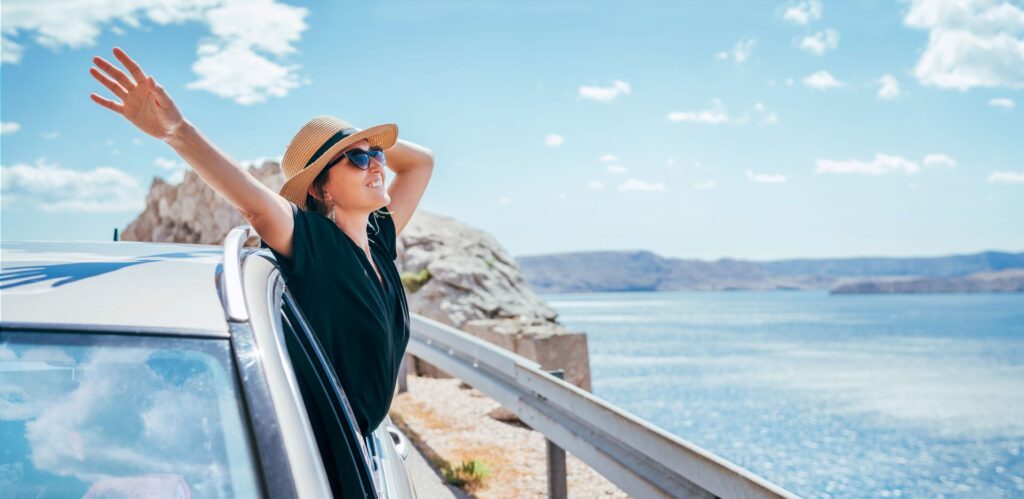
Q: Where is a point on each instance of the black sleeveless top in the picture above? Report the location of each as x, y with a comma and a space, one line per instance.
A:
362, 324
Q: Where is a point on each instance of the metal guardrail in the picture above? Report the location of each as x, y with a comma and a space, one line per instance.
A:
640, 458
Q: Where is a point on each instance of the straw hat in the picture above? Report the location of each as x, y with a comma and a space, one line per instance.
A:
319, 140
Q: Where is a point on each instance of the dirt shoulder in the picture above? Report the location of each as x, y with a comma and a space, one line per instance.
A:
450, 422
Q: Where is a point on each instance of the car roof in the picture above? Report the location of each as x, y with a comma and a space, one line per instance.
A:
123, 285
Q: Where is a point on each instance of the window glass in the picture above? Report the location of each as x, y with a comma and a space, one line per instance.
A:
94, 415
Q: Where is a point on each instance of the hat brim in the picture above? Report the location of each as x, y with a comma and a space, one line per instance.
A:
296, 188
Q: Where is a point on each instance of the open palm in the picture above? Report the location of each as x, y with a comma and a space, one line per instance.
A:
145, 103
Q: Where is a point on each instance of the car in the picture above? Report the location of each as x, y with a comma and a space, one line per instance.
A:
132, 369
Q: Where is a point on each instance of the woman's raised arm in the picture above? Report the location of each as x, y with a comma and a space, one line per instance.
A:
147, 106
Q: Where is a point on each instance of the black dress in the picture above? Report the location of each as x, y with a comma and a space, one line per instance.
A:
362, 324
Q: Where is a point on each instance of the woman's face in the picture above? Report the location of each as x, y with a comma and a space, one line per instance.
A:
352, 188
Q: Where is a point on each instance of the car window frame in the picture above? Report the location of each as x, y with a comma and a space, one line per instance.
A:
336, 394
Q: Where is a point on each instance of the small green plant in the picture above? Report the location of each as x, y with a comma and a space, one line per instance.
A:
470, 474
414, 281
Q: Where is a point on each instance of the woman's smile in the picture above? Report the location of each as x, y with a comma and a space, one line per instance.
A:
376, 183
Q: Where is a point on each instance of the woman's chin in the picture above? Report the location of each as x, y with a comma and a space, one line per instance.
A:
382, 200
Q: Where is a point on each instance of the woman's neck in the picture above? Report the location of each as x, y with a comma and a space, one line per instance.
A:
353, 223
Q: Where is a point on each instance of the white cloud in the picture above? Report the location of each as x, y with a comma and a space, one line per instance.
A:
562, 195
883, 164
10, 52
234, 62
176, 169
167, 163
7, 127
504, 200
803, 12
640, 185
766, 178
705, 185
939, 160
55, 189
604, 94
553, 139
608, 158
715, 115
595, 185
238, 73
1007, 177
767, 117
1001, 102
822, 80
820, 42
617, 169
970, 44
52, 135
740, 52
888, 87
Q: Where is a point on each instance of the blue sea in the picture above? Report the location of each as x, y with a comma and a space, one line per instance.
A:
824, 395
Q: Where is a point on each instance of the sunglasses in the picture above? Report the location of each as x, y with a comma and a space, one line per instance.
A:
361, 158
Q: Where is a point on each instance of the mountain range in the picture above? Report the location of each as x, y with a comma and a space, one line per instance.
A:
647, 271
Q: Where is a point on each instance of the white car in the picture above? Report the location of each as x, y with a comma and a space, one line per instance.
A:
132, 369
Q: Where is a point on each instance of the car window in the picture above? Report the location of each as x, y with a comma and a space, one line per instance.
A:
332, 422
96, 415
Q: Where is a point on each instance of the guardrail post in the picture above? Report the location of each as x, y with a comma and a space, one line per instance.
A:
556, 461
403, 372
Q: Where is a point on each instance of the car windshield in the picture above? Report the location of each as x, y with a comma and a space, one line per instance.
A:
121, 416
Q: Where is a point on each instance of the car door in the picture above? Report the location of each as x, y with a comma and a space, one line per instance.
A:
342, 447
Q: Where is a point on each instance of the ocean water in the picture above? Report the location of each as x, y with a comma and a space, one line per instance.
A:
826, 396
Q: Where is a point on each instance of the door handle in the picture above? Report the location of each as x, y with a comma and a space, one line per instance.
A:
401, 442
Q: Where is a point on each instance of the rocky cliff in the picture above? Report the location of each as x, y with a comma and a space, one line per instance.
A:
453, 273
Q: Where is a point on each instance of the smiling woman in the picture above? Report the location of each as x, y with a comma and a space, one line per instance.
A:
338, 263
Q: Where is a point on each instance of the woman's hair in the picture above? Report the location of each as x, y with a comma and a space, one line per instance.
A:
316, 203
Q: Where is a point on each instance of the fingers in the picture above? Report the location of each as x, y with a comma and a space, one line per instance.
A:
109, 104
134, 68
112, 70
110, 84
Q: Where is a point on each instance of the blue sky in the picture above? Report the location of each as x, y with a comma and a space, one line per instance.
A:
698, 130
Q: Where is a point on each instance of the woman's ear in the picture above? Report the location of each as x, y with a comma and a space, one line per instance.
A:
312, 192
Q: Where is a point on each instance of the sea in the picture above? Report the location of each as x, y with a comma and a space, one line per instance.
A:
914, 395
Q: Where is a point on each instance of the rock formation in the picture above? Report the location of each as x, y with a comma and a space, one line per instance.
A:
453, 273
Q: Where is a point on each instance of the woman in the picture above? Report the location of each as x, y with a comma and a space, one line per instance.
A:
336, 260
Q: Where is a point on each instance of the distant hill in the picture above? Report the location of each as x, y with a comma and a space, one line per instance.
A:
1001, 281
647, 271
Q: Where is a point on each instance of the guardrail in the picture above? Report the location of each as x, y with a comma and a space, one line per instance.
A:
640, 458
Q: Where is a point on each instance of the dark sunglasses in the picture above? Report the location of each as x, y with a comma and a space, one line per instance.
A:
361, 158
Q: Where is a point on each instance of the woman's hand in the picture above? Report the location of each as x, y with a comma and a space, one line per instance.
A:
145, 103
